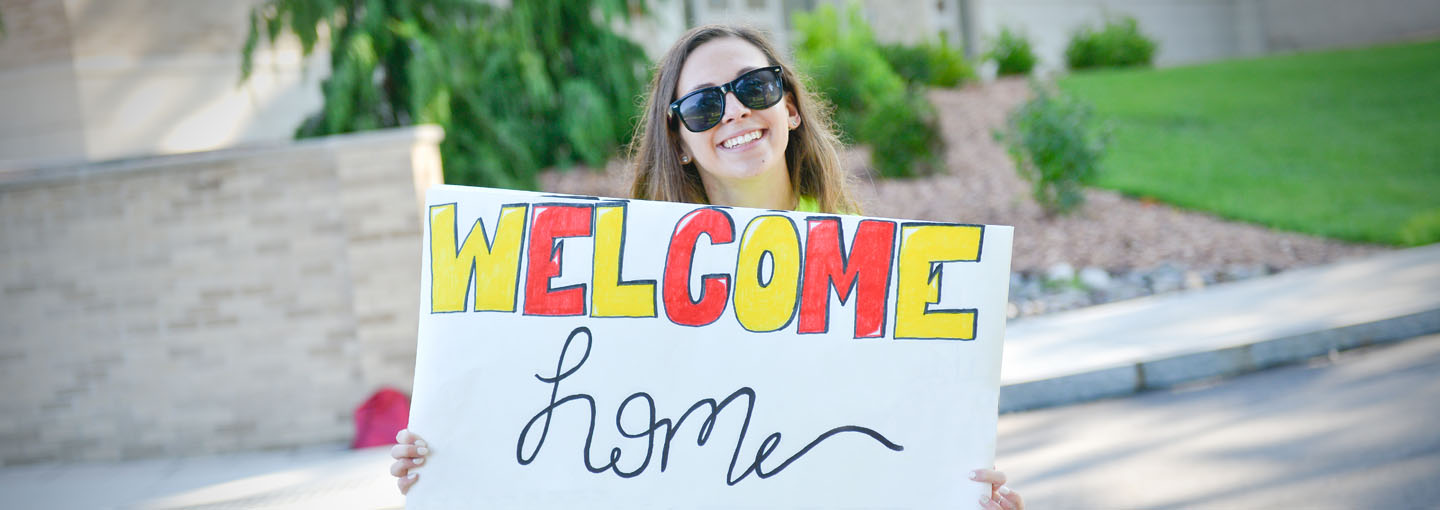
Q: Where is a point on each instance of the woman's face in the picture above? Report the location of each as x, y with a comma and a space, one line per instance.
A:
717, 62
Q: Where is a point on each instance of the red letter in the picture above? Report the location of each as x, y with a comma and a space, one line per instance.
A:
866, 269
552, 222
715, 288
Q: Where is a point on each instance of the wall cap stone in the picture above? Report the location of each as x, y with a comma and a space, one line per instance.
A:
15, 177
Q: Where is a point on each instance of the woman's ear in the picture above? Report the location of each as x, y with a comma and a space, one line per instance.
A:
792, 114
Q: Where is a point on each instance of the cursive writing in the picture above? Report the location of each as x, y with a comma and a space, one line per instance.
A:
653, 432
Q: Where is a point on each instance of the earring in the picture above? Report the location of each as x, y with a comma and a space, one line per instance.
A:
685, 159
794, 122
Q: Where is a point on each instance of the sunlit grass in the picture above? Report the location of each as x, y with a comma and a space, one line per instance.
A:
1343, 144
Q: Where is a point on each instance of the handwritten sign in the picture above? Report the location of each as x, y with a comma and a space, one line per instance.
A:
579, 352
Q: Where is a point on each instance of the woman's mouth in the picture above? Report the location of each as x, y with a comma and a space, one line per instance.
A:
741, 141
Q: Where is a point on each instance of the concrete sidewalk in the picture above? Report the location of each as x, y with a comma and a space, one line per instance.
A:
1097, 352
1229, 329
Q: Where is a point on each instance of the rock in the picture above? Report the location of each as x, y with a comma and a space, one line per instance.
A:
1194, 281
1237, 272
1166, 277
1094, 278
1060, 273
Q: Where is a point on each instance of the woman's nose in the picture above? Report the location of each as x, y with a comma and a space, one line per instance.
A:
734, 109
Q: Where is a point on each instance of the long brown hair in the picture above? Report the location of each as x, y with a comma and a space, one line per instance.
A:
811, 156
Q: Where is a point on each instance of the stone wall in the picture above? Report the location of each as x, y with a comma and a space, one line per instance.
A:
208, 302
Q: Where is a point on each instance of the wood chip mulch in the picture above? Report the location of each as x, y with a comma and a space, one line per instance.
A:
980, 185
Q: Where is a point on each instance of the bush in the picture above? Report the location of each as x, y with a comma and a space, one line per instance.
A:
517, 89
1055, 146
1118, 44
1011, 52
872, 103
935, 65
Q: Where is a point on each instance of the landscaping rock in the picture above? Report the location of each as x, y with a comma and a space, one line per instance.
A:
1061, 272
1094, 278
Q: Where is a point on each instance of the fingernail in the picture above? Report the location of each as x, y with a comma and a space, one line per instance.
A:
984, 501
422, 451
1003, 490
420, 443
419, 461
398, 434
974, 475
414, 476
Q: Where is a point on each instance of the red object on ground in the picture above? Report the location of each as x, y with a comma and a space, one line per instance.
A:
382, 416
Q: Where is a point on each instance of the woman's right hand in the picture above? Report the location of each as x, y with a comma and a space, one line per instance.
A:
409, 453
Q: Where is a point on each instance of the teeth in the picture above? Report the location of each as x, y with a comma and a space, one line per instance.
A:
745, 138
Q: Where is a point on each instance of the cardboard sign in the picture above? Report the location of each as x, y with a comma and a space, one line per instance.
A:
580, 352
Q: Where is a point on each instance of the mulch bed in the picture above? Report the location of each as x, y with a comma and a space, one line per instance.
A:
1110, 231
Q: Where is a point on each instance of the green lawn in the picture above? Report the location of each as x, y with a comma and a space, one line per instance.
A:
1342, 144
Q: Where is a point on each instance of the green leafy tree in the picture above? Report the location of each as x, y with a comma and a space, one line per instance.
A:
517, 89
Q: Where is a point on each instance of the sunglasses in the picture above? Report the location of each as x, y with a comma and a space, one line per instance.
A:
702, 109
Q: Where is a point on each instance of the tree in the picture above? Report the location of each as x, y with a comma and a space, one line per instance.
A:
517, 89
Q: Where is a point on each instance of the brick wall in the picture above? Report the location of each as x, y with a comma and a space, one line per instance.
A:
209, 302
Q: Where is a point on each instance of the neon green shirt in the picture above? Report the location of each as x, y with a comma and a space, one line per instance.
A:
806, 204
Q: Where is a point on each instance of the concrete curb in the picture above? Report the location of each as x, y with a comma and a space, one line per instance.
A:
1168, 372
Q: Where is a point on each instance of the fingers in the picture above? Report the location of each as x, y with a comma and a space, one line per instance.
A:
408, 446
1000, 495
406, 451
990, 476
990, 504
409, 452
405, 436
1009, 499
405, 482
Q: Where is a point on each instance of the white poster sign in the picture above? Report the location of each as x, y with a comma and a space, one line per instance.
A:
580, 352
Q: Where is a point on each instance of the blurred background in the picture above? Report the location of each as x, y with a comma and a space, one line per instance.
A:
209, 209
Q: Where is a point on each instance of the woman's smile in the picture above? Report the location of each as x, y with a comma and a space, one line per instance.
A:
743, 140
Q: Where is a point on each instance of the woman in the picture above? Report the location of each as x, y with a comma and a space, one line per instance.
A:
727, 123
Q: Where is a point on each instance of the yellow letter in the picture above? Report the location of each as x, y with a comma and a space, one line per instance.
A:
496, 265
922, 248
612, 297
767, 306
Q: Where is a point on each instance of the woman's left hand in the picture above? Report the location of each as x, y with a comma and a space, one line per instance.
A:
1001, 497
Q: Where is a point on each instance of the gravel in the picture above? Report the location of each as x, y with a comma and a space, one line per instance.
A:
1141, 247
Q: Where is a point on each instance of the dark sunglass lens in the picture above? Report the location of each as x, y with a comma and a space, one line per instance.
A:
702, 111
759, 89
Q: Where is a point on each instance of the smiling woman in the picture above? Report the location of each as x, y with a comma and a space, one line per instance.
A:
727, 123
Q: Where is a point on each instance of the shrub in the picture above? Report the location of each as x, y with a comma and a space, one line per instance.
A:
1055, 146
872, 103
1118, 44
517, 88
935, 65
1011, 52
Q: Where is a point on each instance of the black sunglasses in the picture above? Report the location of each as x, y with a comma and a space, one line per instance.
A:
702, 109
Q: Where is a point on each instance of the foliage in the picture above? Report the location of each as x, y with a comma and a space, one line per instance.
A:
872, 103
936, 65
1118, 44
1055, 146
545, 82
1011, 52
1337, 143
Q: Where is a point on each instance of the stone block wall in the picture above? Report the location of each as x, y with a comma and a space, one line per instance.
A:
210, 302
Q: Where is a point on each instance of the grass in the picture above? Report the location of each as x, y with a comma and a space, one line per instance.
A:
1342, 144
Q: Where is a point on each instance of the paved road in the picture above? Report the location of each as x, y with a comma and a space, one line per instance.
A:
1361, 430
